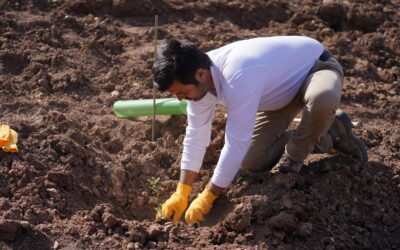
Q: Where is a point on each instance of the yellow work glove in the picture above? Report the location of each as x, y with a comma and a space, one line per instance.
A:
176, 204
200, 206
8, 139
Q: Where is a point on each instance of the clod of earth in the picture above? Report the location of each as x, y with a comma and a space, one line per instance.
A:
80, 180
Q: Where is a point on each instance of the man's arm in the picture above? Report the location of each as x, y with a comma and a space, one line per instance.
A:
187, 177
198, 134
242, 100
214, 188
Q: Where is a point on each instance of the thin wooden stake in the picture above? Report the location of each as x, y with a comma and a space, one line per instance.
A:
154, 88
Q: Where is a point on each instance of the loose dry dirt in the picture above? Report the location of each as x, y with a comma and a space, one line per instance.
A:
81, 178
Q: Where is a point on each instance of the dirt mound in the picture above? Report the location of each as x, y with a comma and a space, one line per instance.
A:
84, 179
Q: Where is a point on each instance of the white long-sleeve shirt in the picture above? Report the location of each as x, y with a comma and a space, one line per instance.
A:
259, 74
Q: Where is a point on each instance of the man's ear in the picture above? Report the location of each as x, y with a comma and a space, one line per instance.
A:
200, 75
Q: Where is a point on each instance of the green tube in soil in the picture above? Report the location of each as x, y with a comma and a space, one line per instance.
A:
164, 106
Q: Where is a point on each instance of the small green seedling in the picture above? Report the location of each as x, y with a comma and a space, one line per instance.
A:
154, 185
159, 217
158, 209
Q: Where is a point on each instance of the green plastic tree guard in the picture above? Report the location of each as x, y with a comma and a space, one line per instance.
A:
164, 106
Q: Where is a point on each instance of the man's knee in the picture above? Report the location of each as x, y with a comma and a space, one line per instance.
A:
251, 163
324, 103
262, 163
256, 160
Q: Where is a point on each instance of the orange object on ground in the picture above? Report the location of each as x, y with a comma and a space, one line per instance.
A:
8, 139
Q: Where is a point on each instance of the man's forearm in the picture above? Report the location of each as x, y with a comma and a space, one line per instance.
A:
214, 188
188, 177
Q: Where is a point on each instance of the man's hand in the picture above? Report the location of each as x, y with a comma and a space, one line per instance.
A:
176, 204
200, 207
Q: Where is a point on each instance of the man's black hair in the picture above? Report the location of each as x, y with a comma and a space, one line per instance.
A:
178, 59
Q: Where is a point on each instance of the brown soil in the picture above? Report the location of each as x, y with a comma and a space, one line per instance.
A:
81, 178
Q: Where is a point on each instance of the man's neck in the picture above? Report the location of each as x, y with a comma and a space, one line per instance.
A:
211, 85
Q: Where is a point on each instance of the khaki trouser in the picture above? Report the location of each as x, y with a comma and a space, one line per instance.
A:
318, 99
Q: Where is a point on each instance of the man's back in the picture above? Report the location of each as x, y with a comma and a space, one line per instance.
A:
281, 62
